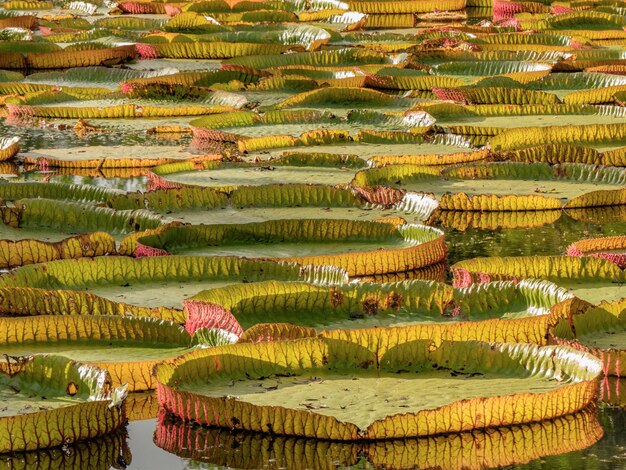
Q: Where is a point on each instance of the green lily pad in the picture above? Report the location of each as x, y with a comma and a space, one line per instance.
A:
126, 347
320, 379
522, 312
260, 175
46, 398
488, 186
152, 287
356, 246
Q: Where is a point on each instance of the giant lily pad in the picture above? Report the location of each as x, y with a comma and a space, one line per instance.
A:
505, 186
593, 135
258, 203
263, 175
104, 109
254, 131
64, 58
286, 169
127, 348
150, 287
70, 209
70, 192
611, 248
77, 217
106, 157
351, 245
471, 70
106, 77
343, 57
28, 251
50, 401
285, 384
501, 311
495, 110
566, 153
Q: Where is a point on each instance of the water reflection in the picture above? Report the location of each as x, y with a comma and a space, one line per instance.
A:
34, 136
108, 452
8, 169
466, 220
599, 215
141, 406
608, 454
613, 391
478, 238
472, 450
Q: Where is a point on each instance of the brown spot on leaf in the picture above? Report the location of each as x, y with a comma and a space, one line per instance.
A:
393, 301
370, 306
71, 389
336, 297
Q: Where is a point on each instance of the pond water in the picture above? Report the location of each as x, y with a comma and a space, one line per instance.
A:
549, 239
34, 137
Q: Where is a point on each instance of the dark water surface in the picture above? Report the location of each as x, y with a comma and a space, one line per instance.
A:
549, 239
34, 137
